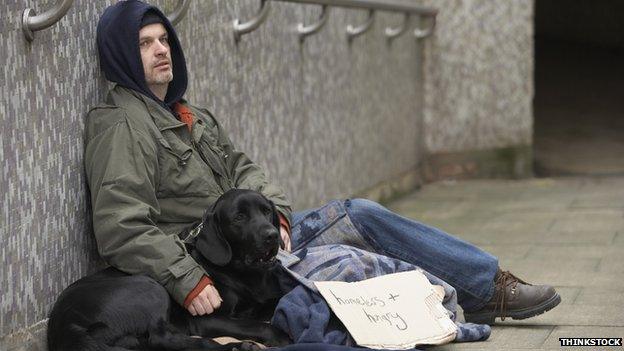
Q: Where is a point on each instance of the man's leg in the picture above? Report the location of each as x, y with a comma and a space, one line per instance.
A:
473, 272
467, 268
483, 290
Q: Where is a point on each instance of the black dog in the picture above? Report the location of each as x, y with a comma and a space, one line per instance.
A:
236, 245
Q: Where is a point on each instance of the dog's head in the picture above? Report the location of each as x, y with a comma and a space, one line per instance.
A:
241, 228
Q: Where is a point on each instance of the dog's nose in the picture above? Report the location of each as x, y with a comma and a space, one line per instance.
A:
271, 236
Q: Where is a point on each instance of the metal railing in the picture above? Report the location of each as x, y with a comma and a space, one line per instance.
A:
31, 22
352, 31
383, 5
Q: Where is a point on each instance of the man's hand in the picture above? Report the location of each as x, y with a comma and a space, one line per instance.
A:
285, 238
206, 302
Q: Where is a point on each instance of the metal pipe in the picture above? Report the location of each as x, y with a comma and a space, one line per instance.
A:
392, 33
179, 13
304, 30
383, 5
31, 22
353, 32
251, 25
423, 33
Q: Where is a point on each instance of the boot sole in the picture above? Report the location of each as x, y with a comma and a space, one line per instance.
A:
490, 317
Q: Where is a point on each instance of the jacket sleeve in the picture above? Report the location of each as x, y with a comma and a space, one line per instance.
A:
122, 166
248, 175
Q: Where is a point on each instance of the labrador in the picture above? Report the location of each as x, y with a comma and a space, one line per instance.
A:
237, 244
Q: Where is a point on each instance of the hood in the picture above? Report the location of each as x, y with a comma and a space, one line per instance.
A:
120, 57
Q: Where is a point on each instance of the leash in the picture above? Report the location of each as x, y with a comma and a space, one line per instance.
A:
192, 234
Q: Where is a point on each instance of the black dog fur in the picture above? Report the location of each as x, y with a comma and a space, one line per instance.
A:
237, 244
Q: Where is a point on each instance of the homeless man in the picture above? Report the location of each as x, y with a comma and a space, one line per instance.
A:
155, 163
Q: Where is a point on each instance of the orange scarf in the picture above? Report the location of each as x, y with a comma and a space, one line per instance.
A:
184, 115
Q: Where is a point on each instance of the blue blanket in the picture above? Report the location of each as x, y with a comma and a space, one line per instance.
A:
306, 317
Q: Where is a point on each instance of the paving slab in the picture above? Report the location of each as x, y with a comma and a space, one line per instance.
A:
532, 202
528, 265
567, 232
523, 337
509, 252
600, 200
619, 238
529, 234
579, 221
575, 314
571, 278
561, 251
612, 265
590, 296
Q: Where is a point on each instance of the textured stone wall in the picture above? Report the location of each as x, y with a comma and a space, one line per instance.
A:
478, 74
326, 118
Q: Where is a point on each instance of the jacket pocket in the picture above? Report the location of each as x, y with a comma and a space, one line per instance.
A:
329, 224
182, 172
181, 153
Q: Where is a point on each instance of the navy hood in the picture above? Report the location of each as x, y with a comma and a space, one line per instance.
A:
120, 56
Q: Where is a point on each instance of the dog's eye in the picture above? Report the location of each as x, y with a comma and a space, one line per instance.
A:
240, 217
267, 211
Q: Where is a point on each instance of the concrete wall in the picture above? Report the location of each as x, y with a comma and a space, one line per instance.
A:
326, 118
478, 74
479, 81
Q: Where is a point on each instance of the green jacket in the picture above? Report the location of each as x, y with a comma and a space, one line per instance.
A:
150, 179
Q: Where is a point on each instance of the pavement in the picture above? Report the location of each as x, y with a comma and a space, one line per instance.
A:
567, 232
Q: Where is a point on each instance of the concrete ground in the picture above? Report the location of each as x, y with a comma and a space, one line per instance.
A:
567, 232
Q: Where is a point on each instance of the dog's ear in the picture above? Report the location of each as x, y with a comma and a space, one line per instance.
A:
210, 242
277, 224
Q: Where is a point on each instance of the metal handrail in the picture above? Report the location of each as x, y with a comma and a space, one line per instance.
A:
304, 30
31, 22
382, 5
353, 32
179, 13
423, 33
243, 28
392, 33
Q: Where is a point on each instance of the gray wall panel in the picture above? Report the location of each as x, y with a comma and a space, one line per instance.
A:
479, 76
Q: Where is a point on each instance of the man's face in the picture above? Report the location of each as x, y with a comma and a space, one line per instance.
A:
156, 56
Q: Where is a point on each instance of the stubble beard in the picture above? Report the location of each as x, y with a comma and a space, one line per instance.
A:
158, 82
160, 78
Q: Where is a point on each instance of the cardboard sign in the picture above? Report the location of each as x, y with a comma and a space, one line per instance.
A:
394, 311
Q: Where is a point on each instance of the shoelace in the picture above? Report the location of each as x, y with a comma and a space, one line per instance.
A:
505, 278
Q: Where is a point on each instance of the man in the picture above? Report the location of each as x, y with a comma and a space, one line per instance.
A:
155, 163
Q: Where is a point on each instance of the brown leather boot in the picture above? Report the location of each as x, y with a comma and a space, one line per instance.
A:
514, 298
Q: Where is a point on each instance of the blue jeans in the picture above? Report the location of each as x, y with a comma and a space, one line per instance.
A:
370, 226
